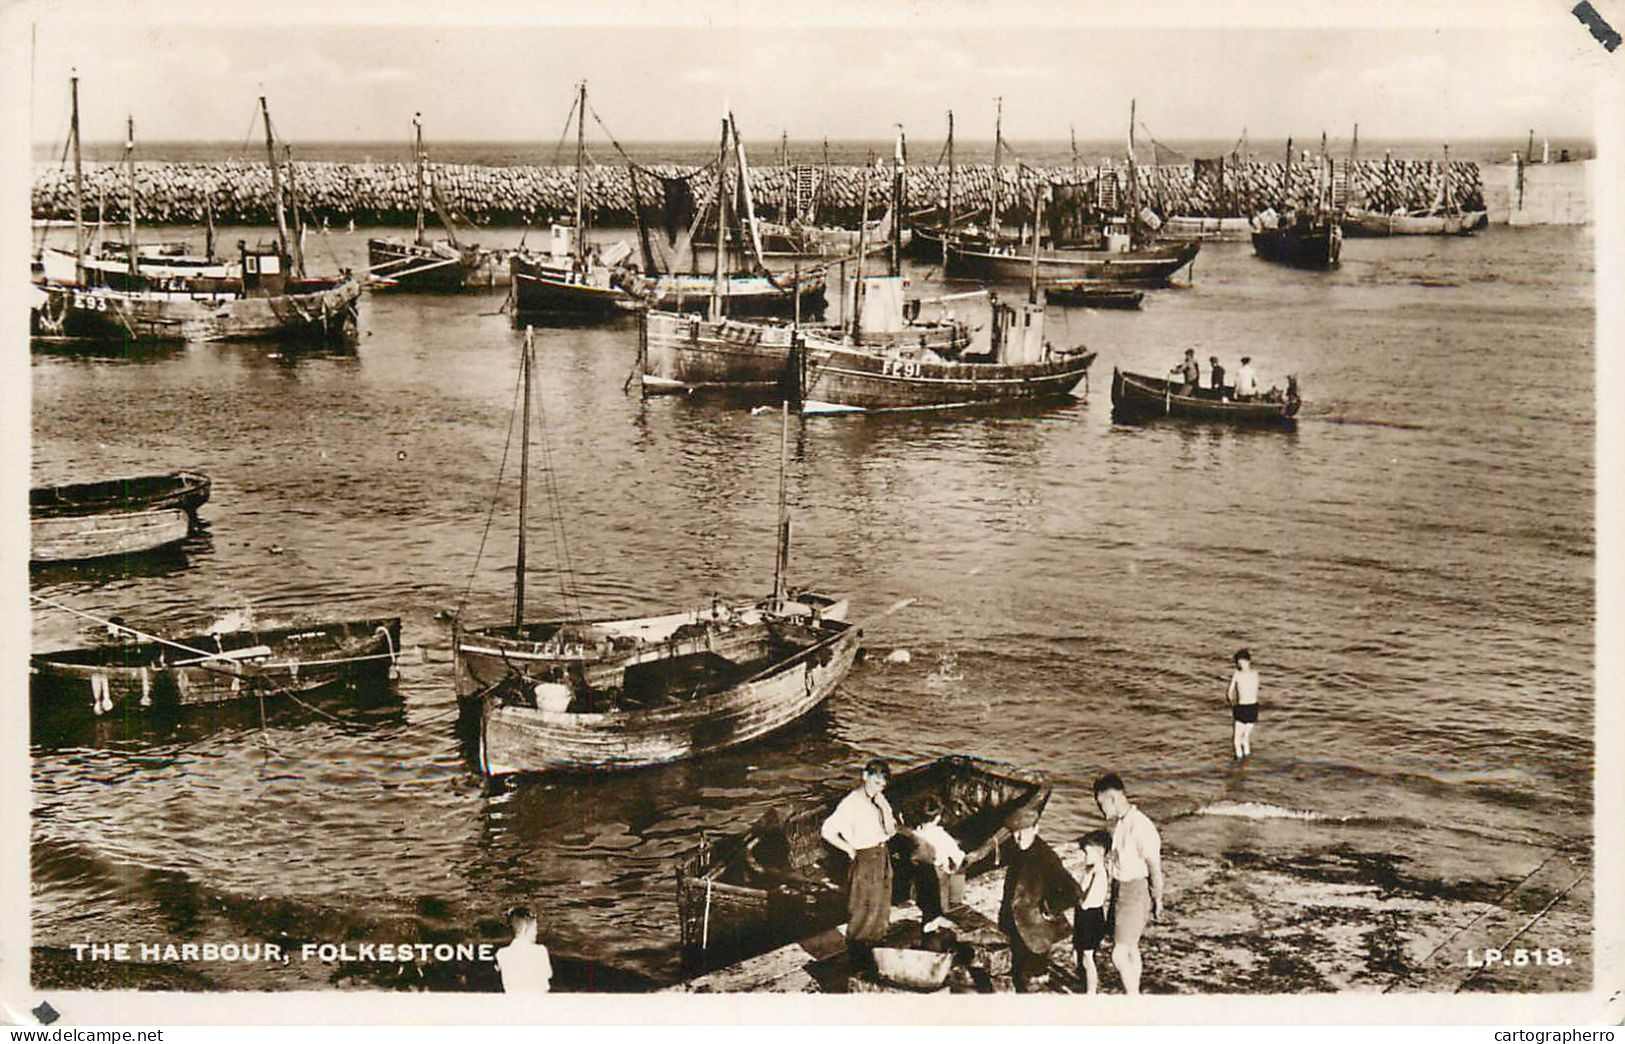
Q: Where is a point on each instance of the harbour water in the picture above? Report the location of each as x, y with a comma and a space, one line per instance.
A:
1412, 568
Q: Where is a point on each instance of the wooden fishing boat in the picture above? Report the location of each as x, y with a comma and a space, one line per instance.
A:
1088, 295
187, 490
1018, 364
780, 880
1310, 242
1182, 227
1370, 223
1138, 397
138, 675
417, 264
267, 296
598, 695
1147, 266
105, 534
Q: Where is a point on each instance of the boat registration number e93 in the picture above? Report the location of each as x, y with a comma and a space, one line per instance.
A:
89, 302
900, 368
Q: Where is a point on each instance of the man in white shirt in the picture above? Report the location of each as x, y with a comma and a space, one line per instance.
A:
1135, 866
1246, 380
861, 826
524, 963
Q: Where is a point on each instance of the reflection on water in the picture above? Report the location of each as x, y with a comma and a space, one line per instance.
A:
1420, 614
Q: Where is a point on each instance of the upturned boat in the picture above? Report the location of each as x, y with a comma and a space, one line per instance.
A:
419, 264
1138, 397
146, 671
572, 694
779, 880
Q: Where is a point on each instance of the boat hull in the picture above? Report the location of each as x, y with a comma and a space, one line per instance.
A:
1187, 228
1137, 397
1318, 247
1372, 224
843, 377
105, 534
1085, 295
742, 296
182, 489
542, 289
403, 266
1148, 267
515, 739
106, 315
780, 880
236, 665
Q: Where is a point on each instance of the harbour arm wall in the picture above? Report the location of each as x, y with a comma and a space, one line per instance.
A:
383, 193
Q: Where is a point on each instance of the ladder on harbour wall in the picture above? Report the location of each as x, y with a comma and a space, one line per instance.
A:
1340, 186
1106, 191
805, 180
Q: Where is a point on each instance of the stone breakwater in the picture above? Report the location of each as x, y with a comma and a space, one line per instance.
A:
382, 193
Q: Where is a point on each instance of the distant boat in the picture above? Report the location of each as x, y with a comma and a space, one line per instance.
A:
1180, 227
1138, 397
780, 880
610, 695
136, 676
1444, 218
1090, 295
1307, 241
105, 534
418, 264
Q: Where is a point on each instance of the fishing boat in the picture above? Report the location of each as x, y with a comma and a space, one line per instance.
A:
1138, 397
145, 671
269, 297
1444, 218
1018, 364
573, 694
1179, 227
1090, 295
418, 264
687, 353
105, 534
1308, 236
780, 880
187, 490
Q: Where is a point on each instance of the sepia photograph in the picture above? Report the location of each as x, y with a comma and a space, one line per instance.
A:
1003, 505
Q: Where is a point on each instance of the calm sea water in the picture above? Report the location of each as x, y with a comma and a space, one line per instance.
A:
1412, 568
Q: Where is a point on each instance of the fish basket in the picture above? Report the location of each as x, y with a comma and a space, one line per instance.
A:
913, 969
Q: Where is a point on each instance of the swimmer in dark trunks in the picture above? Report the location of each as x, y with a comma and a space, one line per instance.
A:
1243, 699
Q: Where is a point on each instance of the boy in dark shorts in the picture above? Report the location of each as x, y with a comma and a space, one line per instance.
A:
1089, 919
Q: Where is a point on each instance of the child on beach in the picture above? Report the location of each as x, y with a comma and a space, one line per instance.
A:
1089, 919
939, 863
1243, 699
524, 963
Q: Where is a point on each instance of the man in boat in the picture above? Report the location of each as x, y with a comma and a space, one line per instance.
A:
1037, 893
1246, 380
524, 963
1135, 866
1215, 378
1189, 373
861, 826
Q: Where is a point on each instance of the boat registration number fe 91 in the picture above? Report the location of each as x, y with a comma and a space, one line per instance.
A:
901, 368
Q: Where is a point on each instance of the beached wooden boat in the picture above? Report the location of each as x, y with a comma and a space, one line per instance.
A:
779, 880
105, 534
1184, 227
417, 264
149, 672
187, 490
1088, 295
598, 695
1371, 223
1138, 397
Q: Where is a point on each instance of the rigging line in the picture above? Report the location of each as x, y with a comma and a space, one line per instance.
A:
558, 150
496, 492
568, 591
632, 162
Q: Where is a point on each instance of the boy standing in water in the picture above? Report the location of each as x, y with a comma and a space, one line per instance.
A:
1089, 919
524, 963
1243, 699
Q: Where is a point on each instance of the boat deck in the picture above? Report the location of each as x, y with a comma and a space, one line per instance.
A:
1240, 925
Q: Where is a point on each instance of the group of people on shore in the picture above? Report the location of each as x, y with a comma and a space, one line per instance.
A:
1189, 373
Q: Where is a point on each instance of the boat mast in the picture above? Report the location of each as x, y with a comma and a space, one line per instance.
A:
129, 167
276, 179
899, 193
1286, 176
298, 220
1038, 210
524, 478
78, 184
781, 561
581, 184
949, 227
208, 224
749, 232
863, 248
784, 170
1449, 202
417, 151
1133, 176
722, 223
998, 158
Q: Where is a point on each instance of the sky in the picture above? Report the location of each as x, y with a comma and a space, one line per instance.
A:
845, 70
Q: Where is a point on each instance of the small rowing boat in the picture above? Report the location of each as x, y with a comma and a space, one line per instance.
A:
105, 534
137, 675
1137, 397
781, 880
1089, 295
187, 490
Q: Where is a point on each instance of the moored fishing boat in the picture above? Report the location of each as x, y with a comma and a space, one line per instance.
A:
148, 671
1138, 397
1090, 295
187, 490
573, 694
1370, 223
780, 880
1302, 240
1179, 227
105, 534
418, 264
